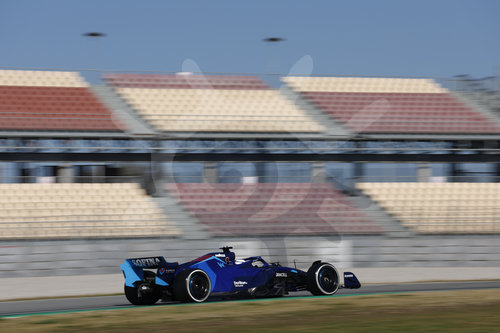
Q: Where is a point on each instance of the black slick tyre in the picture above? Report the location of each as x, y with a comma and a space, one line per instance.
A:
192, 285
150, 296
322, 279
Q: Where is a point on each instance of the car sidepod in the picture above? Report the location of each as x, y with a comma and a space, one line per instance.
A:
232, 278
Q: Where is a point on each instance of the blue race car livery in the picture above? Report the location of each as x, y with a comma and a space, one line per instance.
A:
220, 274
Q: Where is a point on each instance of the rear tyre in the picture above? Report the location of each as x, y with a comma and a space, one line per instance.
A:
192, 285
322, 279
149, 292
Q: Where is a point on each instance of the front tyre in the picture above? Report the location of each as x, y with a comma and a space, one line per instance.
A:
192, 285
144, 292
322, 279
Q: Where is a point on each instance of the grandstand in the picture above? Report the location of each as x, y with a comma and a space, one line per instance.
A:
273, 209
440, 208
195, 103
51, 101
392, 105
69, 210
116, 161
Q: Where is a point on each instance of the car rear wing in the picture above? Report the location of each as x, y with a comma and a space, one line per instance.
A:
133, 269
148, 262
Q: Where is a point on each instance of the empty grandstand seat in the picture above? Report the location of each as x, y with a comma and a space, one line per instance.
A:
89, 210
446, 208
272, 209
51, 101
213, 103
389, 105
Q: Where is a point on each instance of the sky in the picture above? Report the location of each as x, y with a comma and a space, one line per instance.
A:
439, 38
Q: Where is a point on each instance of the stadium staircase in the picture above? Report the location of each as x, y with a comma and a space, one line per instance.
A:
393, 228
332, 127
487, 104
134, 124
189, 226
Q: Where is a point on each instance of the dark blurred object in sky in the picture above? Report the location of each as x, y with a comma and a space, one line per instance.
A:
273, 39
94, 34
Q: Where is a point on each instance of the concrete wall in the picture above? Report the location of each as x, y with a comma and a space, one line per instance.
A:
87, 257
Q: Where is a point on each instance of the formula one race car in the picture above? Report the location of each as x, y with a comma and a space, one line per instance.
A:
220, 274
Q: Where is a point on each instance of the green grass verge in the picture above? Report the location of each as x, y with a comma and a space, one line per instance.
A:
450, 311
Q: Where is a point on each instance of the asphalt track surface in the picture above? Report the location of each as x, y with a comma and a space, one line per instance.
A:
44, 306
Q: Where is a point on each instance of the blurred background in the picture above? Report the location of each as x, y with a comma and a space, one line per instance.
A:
361, 133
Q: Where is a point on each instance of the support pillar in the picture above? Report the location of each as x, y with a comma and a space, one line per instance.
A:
424, 172
260, 172
358, 167
25, 173
155, 185
111, 174
65, 174
454, 167
210, 172
261, 167
318, 172
454, 172
358, 171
